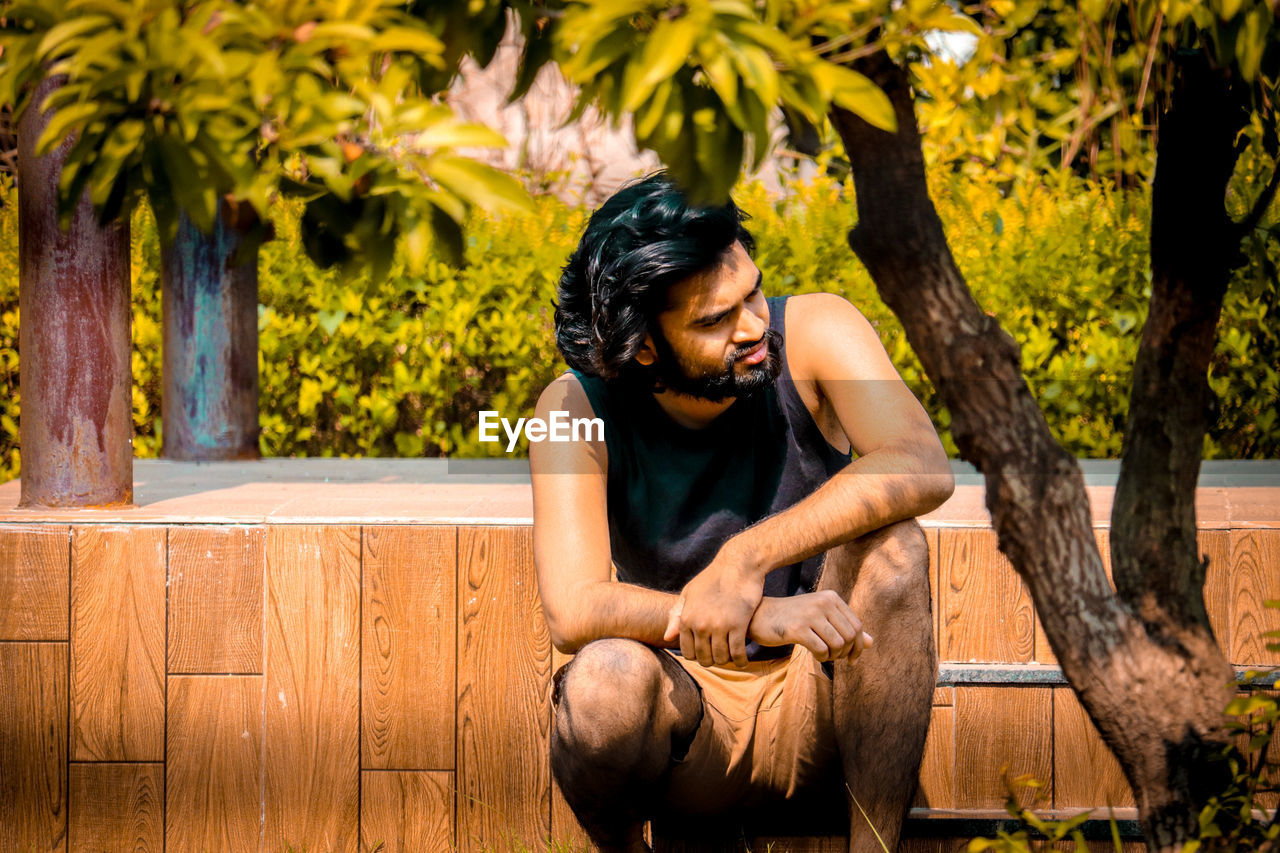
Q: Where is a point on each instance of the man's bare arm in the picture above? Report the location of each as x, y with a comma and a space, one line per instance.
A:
571, 552
901, 472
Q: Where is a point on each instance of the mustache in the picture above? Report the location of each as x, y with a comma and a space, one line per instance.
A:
771, 338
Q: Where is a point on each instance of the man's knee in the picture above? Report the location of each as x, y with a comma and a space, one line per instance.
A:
607, 700
890, 567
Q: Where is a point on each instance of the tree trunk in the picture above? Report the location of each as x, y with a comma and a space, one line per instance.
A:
1159, 706
209, 405
76, 429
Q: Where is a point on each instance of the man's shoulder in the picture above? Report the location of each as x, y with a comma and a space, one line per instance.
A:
825, 330
567, 393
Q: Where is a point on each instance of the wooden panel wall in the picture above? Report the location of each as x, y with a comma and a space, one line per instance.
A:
231, 688
311, 755
117, 643
504, 709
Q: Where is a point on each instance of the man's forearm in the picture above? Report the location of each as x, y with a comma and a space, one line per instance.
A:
613, 609
877, 489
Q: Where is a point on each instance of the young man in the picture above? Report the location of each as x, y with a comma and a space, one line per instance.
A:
768, 636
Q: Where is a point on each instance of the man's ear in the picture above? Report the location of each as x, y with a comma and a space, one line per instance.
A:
647, 355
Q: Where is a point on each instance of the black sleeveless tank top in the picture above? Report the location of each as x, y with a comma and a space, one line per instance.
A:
676, 494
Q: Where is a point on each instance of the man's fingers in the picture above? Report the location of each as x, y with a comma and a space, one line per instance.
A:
720, 650
738, 648
673, 620
686, 643
836, 644
702, 649
814, 643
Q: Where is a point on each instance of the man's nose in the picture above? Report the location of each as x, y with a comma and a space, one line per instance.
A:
751, 326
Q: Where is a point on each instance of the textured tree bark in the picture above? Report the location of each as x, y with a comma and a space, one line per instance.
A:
1158, 705
76, 430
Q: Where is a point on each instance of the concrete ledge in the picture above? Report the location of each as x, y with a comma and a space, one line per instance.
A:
1231, 495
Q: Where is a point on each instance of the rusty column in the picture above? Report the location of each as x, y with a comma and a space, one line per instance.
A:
76, 429
209, 406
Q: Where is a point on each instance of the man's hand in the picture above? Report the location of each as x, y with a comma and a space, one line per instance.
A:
714, 609
820, 621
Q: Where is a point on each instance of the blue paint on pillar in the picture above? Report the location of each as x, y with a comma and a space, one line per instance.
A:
210, 305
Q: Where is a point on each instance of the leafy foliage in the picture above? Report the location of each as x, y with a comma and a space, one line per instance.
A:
401, 365
319, 101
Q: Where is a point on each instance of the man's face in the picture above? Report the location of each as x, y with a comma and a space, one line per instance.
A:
713, 341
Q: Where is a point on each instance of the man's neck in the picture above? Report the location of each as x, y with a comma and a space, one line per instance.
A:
692, 412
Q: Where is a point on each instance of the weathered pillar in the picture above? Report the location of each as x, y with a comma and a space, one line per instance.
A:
209, 407
76, 427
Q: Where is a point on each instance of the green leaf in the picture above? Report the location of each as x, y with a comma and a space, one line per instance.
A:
410, 40
666, 49
68, 120
479, 184
846, 88
58, 36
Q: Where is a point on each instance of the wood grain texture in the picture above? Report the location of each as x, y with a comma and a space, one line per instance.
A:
935, 584
312, 721
565, 829
1255, 578
117, 808
1216, 546
504, 711
117, 643
213, 794
790, 844
406, 811
933, 845
1043, 652
34, 566
409, 647
938, 769
1271, 772
1086, 774
215, 599
33, 746
986, 609
997, 727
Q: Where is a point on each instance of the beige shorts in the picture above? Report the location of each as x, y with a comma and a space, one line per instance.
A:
766, 735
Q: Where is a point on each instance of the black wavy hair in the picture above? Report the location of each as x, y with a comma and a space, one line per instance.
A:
644, 239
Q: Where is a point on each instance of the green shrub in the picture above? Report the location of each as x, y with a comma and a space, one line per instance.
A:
402, 366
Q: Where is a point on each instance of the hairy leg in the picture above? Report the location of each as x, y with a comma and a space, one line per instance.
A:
882, 699
620, 706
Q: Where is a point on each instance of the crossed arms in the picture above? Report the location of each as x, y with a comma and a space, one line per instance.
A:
901, 472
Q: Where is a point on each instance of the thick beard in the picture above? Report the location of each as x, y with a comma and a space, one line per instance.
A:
669, 374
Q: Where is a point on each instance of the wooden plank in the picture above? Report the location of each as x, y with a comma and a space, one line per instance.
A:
944, 696
986, 609
34, 567
409, 647
504, 712
215, 599
406, 811
33, 746
213, 795
117, 643
565, 829
1043, 653
1255, 578
935, 584
1086, 774
791, 844
938, 769
312, 722
998, 726
117, 807
933, 845
1216, 546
